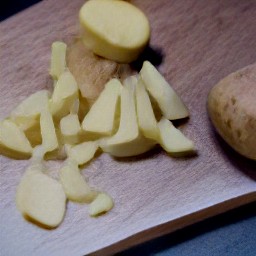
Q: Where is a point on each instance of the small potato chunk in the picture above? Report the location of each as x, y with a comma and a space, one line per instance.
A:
168, 101
48, 133
172, 140
101, 117
74, 184
70, 128
232, 109
13, 142
101, 204
41, 198
64, 95
116, 30
146, 117
58, 59
83, 152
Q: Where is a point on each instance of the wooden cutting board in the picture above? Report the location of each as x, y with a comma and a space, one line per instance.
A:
201, 42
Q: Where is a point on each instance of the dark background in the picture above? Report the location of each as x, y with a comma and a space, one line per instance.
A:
229, 234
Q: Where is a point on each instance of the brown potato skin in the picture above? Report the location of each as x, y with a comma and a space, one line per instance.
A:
232, 110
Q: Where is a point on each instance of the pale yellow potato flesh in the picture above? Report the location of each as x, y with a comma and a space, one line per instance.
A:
127, 141
64, 95
83, 152
32, 106
116, 30
101, 117
58, 59
41, 198
145, 114
167, 99
13, 142
101, 204
70, 128
173, 140
74, 184
48, 133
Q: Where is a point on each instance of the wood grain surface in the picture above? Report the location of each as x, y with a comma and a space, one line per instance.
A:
201, 42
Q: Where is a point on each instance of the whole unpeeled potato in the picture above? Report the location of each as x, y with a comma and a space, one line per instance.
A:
232, 109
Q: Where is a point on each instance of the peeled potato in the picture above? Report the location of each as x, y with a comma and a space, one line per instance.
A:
172, 140
41, 198
167, 99
13, 142
232, 109
74, 184
116, 30
101, 204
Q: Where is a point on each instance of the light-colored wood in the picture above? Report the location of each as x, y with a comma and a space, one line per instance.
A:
202, 41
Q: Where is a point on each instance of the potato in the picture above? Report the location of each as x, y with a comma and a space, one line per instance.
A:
83, 152
232, 109
101, 204
145, 114
64, 95
101, 117
167, 99
13, 142
41, 198
70, 128
172, 140
74, 184
127, 141
116, 30
48, 132
58, 59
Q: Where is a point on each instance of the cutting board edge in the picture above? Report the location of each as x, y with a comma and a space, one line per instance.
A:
176, 224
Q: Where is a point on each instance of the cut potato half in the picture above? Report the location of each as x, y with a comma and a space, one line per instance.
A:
74, 184
116, 30
173, 140
101, 117
41, 198
13, 142
167, 99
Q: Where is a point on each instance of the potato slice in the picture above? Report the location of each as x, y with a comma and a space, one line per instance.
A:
101, 117
127, 141
74, 184
41, 198
83, 152
172, 140
64, 95
13, 142
70, 128
168, 101
48, 133
146, 118
58, 59
32, 106
101, 204
116, 30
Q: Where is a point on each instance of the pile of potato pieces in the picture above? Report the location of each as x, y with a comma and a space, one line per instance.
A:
60, 125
